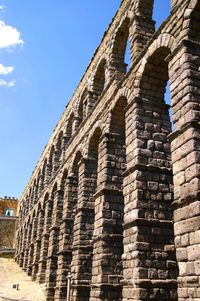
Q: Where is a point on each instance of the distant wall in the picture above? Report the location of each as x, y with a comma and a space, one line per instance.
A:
7, 231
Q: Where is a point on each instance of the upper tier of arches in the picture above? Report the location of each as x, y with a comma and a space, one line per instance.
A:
105, 68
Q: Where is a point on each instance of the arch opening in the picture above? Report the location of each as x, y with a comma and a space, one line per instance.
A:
128, 55
99, 78
155, 94
121, 49
153, 119
82, 110
51, 155
69, 129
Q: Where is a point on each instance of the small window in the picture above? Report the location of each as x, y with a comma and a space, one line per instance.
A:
9, 212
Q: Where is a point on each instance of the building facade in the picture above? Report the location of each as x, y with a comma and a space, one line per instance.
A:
8, 206
8, 219
114, 198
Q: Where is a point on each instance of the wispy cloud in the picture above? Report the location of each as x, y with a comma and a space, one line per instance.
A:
9, 36
9, 84
1, 7
5, 70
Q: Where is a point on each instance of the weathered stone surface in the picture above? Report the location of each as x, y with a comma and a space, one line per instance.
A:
114, 186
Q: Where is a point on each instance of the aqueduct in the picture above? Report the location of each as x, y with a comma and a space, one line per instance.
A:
114, 198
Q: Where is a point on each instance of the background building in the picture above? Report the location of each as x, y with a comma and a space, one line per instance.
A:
8, 206
8, 219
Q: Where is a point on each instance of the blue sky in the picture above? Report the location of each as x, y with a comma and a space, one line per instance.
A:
45, 47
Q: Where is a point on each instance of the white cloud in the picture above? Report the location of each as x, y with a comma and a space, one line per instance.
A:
7, 84
3, 82
9, 36
5, 70
11, 83
1, 7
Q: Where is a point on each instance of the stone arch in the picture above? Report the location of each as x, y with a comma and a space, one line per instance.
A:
123, 92
120, 43
151, 92
56, 160
82, 105
99, 78
77, 158
152, 85
59, 142
50, 160
79, 152
94, 141
39, 206
46, 197
99, 126
38, 175
110, 200
85, 171
38, 181
31, 191
33, 213
93, 153
42, 203
43, 175
37, 209
35, 191
27, 204
29, 219
117, 124
23, 209
148, 146
54, 189
63, 179
164, 45
69, 128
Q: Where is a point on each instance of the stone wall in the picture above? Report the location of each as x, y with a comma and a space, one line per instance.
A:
114, 198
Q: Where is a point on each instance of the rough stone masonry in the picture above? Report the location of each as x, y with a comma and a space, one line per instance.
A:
115, 196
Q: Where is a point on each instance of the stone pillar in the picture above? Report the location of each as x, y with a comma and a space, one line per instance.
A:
37, 248
55, 161
23, 247
17, 244
64, 141
20, 245
52, 259
26, 251
66, 237
76, 124
82, 248
30, 205
116, 67
140, 32
31, 246
45, 241
47, 175
40, 185
149, 262
35, 197
91, 99
185, 147
108, 230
